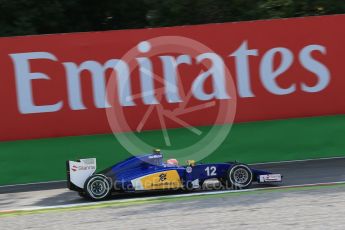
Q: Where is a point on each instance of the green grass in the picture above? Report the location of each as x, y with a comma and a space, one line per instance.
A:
265, 141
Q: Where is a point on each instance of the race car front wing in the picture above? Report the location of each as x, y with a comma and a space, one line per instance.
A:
270, 178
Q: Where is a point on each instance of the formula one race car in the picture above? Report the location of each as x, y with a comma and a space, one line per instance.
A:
149, 172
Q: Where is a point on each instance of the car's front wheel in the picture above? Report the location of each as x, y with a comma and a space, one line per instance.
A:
239, 176
97, 187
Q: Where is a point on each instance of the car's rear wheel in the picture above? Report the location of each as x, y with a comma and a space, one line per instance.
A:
239, 176
97, 187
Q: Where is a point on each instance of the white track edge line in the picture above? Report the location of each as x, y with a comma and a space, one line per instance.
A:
34, 183
164, 196
291, 161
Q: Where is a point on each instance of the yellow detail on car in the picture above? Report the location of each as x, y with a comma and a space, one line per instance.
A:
161, 180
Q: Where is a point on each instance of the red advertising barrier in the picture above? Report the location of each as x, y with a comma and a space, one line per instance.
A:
55, 85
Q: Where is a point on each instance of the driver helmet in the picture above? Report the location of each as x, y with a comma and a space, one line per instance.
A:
156, 151
172, 162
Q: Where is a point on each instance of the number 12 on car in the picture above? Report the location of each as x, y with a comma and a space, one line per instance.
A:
211, 170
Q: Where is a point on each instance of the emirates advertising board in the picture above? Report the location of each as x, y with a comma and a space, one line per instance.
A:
157, 79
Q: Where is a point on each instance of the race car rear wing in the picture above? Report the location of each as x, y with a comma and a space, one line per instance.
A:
78, 172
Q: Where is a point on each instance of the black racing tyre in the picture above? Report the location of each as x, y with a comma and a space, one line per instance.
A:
97, 187
239, 176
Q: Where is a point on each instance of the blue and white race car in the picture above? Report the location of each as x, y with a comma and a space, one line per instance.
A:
149, 172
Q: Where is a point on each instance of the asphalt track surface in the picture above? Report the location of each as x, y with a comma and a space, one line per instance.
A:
317, 207
52, 194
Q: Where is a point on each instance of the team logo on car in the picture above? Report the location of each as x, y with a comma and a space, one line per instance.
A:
80, 167
189, 169
163, 177
74, 168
